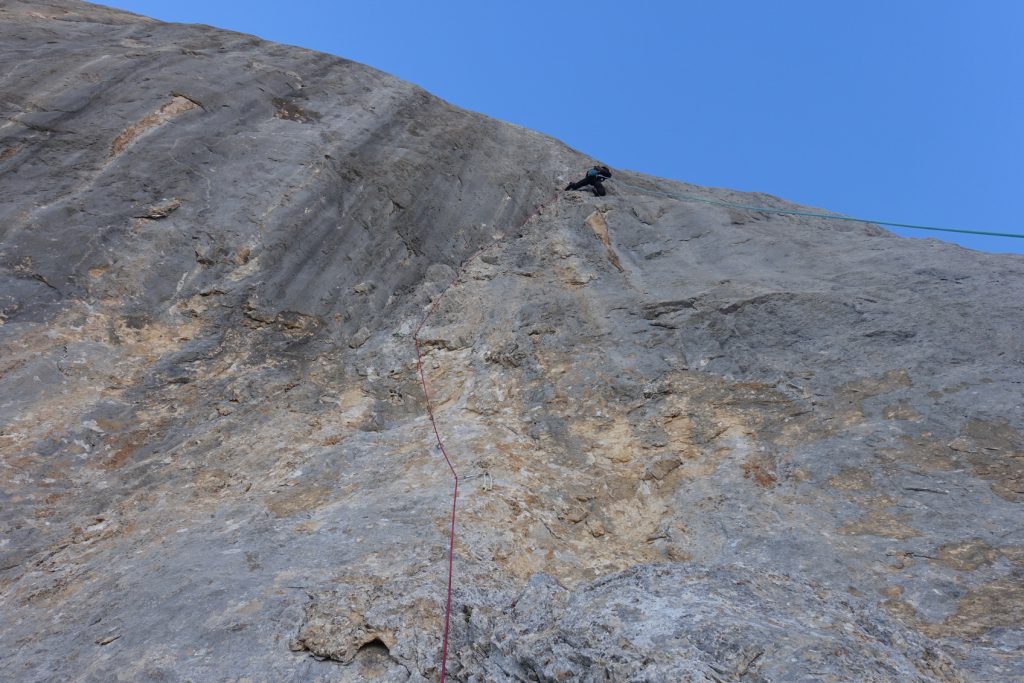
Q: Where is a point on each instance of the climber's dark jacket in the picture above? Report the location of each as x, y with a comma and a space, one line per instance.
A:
593, 178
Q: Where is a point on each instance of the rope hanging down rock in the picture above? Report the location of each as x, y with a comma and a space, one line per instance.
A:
539, 209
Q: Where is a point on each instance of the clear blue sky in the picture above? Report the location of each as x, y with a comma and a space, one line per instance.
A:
900, 110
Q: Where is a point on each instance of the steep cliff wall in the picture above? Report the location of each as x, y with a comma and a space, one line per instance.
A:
695, 443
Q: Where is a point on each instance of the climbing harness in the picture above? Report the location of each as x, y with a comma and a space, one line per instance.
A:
811, 214
539, 209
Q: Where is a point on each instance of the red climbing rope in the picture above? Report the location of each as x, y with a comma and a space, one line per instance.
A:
433, 422
455, 492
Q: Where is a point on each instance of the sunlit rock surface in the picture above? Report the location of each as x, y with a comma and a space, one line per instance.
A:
695, 443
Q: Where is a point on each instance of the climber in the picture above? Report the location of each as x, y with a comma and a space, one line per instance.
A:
593, 178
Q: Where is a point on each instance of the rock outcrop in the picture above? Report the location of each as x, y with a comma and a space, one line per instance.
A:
695, 443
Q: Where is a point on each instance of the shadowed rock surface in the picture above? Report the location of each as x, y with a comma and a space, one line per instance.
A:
695, 443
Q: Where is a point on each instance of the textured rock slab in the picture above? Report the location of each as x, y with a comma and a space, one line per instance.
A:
709, 443
683, 624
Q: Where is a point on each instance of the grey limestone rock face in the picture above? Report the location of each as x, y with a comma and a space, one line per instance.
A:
668, 622
694, 443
